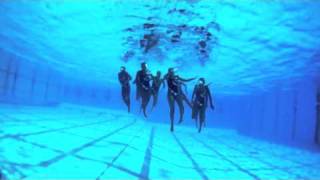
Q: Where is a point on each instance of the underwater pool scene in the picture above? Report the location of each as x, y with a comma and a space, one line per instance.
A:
160, 89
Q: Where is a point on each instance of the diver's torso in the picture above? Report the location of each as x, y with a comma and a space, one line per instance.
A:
156, 83
201, 95
173, 85
145, 78
124, 78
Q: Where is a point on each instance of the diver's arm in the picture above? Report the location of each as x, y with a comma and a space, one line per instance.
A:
186, 80
119, 78
127, 79
193, 93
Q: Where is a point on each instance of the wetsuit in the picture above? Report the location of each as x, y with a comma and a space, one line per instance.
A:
138, 85
124, 79
175, 95
201, 95
143, 79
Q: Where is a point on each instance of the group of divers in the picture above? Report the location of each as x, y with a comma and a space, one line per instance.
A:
148, 86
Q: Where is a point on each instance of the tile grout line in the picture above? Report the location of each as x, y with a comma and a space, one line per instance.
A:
144, 173
262, 161
227, 159
111, 164
194, 163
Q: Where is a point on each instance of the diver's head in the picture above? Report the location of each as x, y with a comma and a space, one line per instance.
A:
144, 66
158, 73
171, 71
122, 68
201, 81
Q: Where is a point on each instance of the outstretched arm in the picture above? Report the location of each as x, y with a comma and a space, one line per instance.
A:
186, 80
193, 94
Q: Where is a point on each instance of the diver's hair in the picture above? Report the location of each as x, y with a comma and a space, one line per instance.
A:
203, 80
122, 67
143, 64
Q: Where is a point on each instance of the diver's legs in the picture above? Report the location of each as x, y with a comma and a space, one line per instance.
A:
181, 108
145, 100
155, 99
200, 126
171, 106
125, 92
138, 92
128, 99
128, 106
202, 114
155, 94
144, 106
195, 112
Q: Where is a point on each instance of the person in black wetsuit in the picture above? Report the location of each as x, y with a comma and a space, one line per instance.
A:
175, 94
156, 83
143, 78
124, 79
138, 87
200, 97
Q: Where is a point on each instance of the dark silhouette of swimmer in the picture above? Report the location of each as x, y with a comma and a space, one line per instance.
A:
200, 97
175, 94
143, 78
156, 83
138, 87
149, 41
124, 79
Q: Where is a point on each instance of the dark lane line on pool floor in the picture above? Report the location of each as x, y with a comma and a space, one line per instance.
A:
194, 163
227, 159
144, 173
285, 169
126, 146
88, 144
52, 130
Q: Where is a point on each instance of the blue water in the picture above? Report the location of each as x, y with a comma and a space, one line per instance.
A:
61, 112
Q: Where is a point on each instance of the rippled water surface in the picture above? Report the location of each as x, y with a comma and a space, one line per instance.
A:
246, 45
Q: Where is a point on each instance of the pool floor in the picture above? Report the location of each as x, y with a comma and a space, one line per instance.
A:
77, 142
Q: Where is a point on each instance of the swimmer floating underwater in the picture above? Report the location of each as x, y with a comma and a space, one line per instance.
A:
124, 79
175, 94
156, 84
200, 97
144, 91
